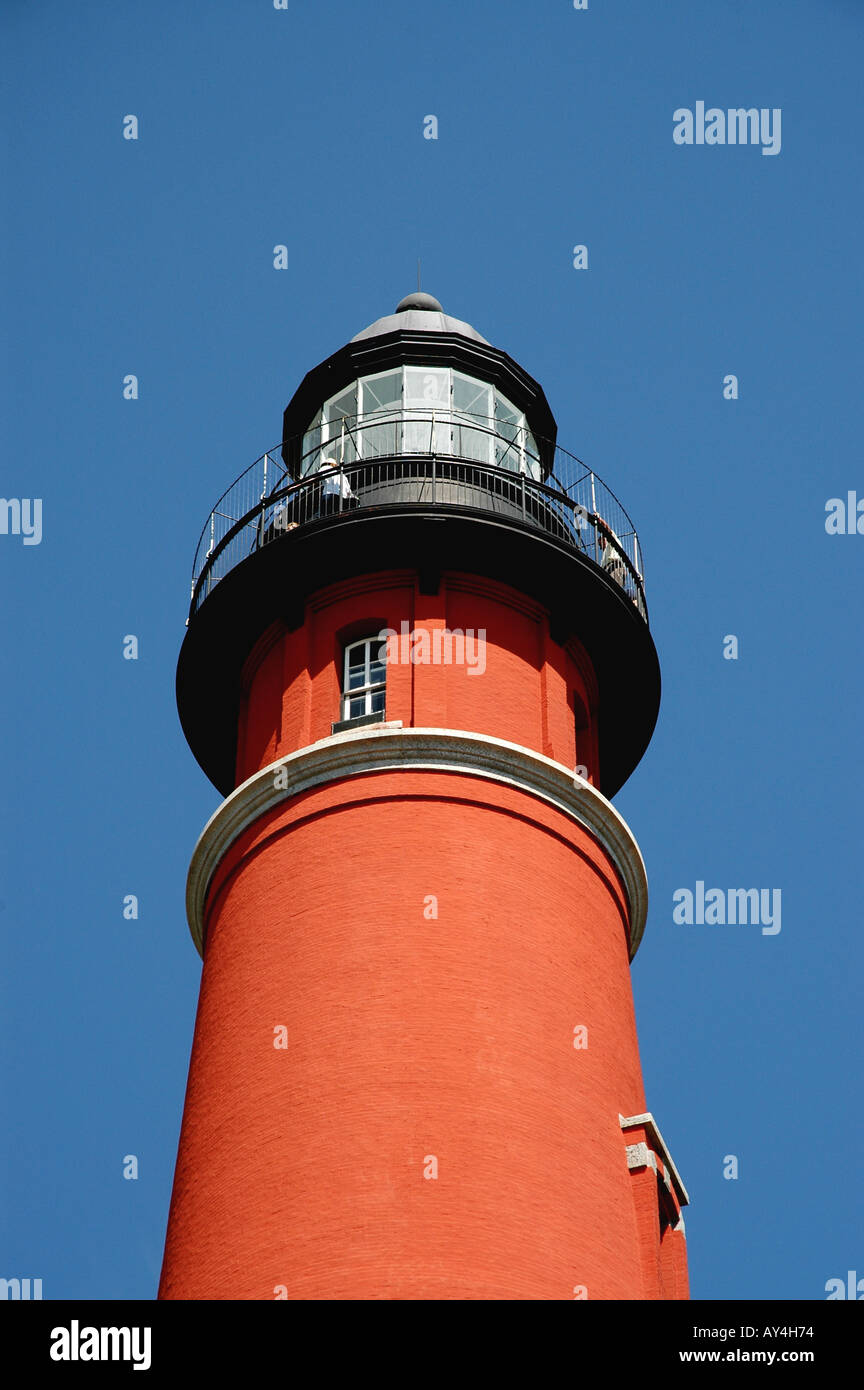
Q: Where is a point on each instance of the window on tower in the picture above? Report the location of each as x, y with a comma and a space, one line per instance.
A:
364, 679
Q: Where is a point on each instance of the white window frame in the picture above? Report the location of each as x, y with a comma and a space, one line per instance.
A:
368, 689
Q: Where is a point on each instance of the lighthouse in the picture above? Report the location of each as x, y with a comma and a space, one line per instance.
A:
417, 667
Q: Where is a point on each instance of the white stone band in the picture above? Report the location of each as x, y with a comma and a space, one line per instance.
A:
389, 747
640, 1155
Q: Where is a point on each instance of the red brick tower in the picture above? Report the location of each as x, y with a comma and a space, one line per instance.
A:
417, 666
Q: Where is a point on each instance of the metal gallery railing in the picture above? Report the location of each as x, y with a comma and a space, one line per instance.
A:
411, 460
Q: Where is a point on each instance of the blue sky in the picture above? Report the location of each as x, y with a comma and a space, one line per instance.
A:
155, 257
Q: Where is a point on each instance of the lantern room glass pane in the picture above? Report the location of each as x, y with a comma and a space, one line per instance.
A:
381, 395
472, 419
427, 388
382, 392
343, 408
532, 456
311, 445
427, 394
472, 397
508, 425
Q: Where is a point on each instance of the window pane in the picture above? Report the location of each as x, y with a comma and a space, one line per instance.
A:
532, 455
355, 678
311, 444
377, 702
472, 426
356, 707
379, 440
472, 397
357, 655
508, 448
427, 387
422, 437
381, 395
427, 393
343, 405
382, 392
343, 408
377, 673
472, 440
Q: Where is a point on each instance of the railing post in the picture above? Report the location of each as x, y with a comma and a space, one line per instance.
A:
210, 549
434, 495
259, 534
523, 495
594, 515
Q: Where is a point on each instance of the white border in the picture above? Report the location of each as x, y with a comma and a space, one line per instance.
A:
388, 747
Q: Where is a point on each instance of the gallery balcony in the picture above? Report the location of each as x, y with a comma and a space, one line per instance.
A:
404, 464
